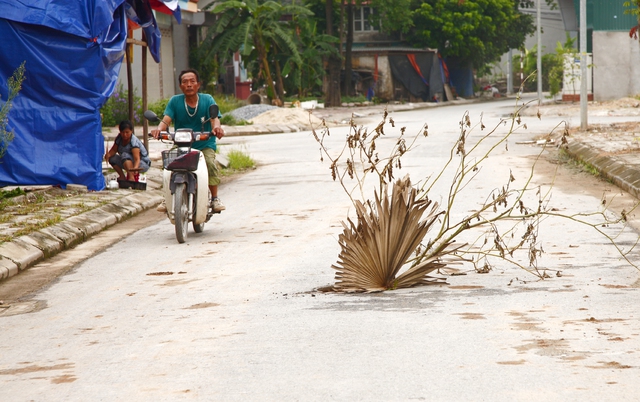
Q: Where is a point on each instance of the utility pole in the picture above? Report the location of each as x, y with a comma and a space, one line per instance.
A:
510, 72
583, 65
539, 64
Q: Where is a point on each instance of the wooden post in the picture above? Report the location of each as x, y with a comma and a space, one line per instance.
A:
129, 77
145, 124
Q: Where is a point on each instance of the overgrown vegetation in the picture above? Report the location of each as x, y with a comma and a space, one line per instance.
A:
552, 66
226, 104
159, 106
14, 85
556, 73
400, 235
116, 108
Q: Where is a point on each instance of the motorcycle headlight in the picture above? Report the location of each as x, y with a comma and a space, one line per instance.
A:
182, 136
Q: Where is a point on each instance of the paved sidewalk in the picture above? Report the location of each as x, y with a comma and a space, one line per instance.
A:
83, 214
615, 155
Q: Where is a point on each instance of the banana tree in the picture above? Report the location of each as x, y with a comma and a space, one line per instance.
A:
314, 47
256, 29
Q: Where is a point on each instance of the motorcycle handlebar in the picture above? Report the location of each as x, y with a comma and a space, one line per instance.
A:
197, 135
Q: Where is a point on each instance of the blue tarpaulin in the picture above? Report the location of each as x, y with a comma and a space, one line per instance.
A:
72, 51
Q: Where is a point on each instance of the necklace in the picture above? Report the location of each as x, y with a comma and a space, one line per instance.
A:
187, 108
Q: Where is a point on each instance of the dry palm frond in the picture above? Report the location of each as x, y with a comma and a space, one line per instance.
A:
383, 240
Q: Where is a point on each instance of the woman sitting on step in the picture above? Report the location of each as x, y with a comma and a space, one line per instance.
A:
128, 154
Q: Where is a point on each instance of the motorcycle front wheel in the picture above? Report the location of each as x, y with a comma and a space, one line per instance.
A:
181, 212
198, 228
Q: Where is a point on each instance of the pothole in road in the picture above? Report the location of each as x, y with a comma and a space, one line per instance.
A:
29, 306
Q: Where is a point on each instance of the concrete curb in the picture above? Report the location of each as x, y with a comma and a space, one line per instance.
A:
28, 250
611, 167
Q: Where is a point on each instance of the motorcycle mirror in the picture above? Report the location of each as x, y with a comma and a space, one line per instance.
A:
213, 111
152, 117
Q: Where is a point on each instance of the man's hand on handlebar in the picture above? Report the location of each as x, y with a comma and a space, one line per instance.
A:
218, 132
155, 133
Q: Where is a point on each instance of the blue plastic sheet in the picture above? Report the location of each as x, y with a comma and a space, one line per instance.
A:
141, 13
73, 52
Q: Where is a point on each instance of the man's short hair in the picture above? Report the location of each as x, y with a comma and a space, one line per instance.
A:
189, 70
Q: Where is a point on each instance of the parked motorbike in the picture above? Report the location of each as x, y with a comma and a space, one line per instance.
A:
185, 178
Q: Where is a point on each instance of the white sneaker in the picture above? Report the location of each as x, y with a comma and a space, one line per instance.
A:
162, 207
217, 205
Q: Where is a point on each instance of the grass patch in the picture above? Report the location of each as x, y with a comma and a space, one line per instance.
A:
229, 120
582, 165
4, 218
11, 193
32, 225
239, 160
353, 99
228, 103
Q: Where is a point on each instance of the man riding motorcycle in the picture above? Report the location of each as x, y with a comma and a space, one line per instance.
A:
188, 111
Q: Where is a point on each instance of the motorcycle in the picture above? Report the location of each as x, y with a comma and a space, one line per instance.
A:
185, 178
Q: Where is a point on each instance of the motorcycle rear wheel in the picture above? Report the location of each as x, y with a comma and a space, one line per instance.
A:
181, 212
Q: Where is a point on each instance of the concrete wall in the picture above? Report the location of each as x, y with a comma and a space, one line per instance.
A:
180, 57
384, 86
616, 70
168, 82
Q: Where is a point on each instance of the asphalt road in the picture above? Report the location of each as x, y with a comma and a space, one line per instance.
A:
235, 313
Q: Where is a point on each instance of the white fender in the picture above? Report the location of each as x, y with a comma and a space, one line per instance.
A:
202, 192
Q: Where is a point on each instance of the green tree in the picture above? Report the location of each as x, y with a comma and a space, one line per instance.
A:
556, 70
303, 72
314, 48
478, 32
392, 17
14, 84
552, 66
257, 29
633, 8
334, 62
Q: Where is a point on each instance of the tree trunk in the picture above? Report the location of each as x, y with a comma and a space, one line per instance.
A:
341, 30
262, 54
348, 66
332, 97
279, 83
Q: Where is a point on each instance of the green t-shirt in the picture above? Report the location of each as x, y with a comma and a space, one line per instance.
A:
177, 110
